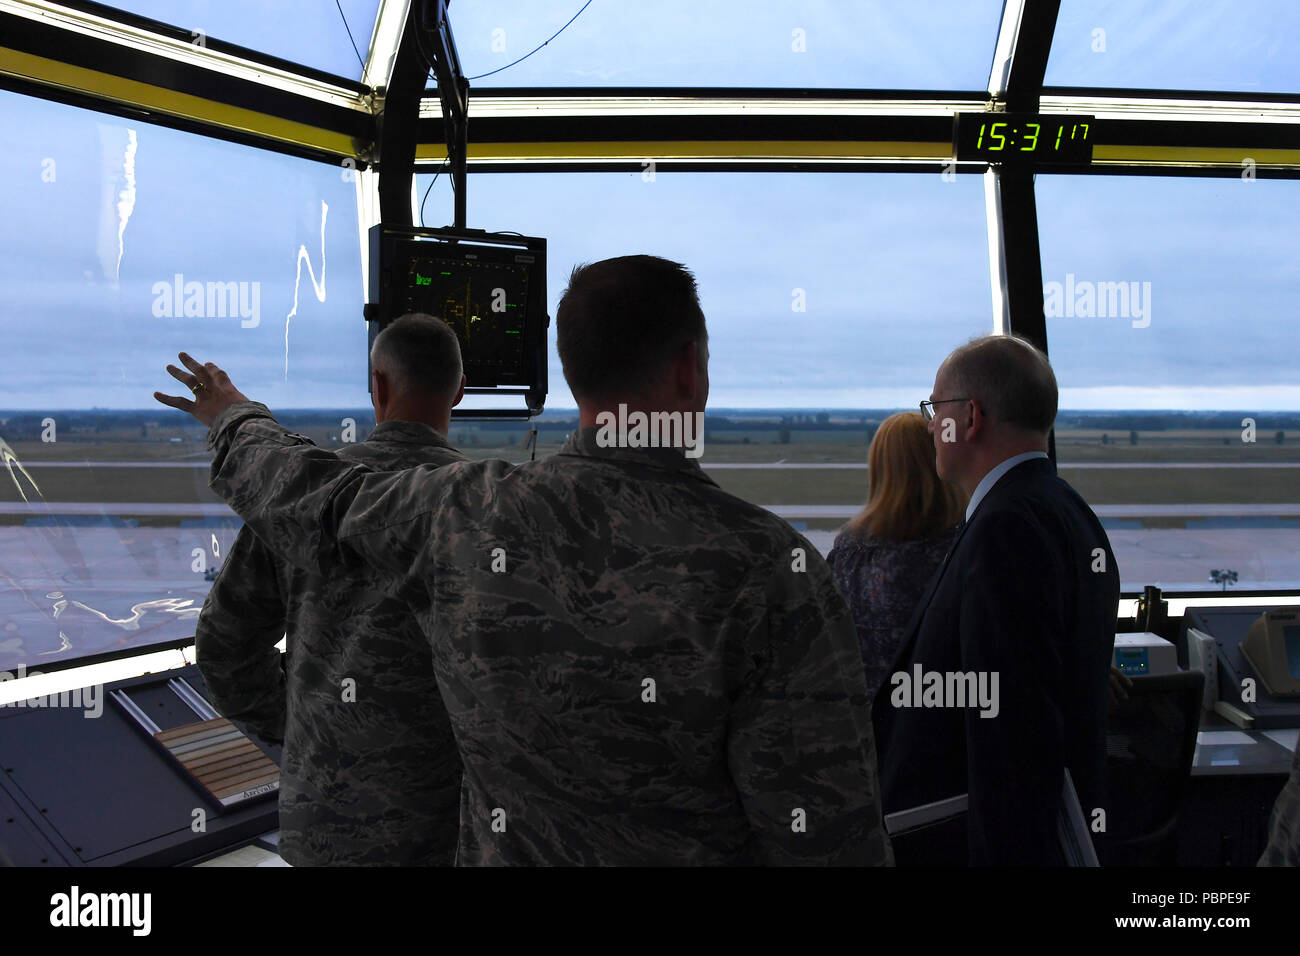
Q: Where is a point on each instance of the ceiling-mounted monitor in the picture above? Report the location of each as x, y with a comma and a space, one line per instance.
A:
489, 287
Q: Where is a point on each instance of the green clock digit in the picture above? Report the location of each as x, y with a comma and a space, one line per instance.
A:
1026, 140
994, 134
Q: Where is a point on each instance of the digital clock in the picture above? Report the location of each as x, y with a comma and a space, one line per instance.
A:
1040, 138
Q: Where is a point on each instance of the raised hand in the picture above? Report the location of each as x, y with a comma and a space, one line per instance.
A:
213, 392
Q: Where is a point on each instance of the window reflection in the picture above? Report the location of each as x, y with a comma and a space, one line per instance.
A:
127, 243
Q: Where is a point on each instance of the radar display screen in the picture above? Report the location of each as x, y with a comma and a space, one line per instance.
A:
489, 287
483, 302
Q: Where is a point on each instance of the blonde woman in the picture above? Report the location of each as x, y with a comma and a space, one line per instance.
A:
884, 557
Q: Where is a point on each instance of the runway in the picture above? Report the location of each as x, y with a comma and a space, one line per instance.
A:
68, 589
1180, 559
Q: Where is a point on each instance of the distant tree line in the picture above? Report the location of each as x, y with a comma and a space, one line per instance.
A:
26, 425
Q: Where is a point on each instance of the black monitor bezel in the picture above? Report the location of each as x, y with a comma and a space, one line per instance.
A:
387, 245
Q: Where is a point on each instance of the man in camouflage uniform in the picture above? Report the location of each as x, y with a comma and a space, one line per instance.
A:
639, 667
1284, 837
370, 772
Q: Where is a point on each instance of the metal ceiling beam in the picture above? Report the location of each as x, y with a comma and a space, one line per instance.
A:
1162, 133
1016, 269
146, 32
23, 20
453, 94
398, 123
1020, 56
78, 56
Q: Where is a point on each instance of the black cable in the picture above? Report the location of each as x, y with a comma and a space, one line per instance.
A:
360, 58
430, 189
424, 54
428, 59
531, 52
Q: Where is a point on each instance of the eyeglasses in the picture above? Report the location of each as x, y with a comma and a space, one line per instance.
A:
927, 408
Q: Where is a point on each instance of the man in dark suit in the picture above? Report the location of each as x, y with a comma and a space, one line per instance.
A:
1000, 682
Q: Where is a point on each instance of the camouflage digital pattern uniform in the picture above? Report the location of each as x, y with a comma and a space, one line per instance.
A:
637, 665
370, 774
1284, 828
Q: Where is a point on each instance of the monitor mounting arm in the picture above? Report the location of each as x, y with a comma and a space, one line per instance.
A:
453, 92
426, 46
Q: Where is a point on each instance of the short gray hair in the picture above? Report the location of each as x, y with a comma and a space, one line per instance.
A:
1010, 378
419, 353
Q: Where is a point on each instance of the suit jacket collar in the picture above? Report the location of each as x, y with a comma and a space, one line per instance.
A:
996, 474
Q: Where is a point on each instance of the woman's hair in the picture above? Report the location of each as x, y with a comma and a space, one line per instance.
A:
908, 499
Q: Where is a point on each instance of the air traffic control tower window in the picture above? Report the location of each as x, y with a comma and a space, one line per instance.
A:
328, 36
887, 44
1170, 309
125, 243
830, 298
1237, 46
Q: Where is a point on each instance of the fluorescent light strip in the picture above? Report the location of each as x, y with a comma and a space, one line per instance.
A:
481, 164
75, 21
1199, 157
1156, 110
1166, 110
1005, 50
384, 41
533, 106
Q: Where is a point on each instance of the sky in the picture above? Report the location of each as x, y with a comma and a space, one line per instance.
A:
310, 32
891, 270
892, 44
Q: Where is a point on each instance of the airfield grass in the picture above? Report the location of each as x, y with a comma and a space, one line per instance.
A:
761, 486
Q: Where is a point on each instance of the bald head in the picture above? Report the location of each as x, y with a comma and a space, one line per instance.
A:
994, 398
416, 372
1011, 379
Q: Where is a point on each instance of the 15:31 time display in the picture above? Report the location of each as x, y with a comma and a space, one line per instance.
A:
1038, 138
